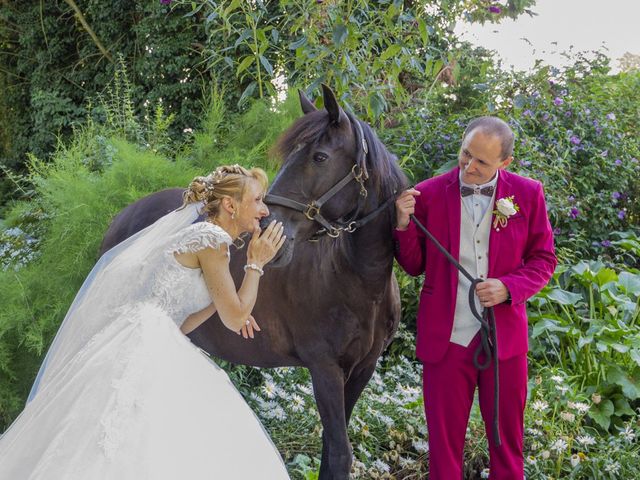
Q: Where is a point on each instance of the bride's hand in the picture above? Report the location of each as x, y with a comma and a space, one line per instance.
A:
250, 326
263, 247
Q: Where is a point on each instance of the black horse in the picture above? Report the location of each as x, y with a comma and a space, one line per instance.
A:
329, 301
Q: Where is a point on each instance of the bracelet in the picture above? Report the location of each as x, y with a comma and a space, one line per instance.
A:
253, 266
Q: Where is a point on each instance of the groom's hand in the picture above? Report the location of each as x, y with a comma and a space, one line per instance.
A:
248, 329
491, 292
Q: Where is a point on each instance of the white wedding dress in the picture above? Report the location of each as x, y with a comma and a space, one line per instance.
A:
123, 394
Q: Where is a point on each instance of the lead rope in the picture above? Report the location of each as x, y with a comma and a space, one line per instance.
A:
488, 339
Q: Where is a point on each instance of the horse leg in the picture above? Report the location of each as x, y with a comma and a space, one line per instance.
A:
328, 388
356, 384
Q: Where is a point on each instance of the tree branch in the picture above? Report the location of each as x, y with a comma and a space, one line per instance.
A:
89, 30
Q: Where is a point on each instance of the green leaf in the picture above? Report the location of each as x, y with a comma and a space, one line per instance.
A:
232, 6
377, 104
547, 325
424, 34
605, 276
584, 340
635, 356
301, 42
391, 51
601, 413
519, 101
247, 93
246, 63
246, 33
563, 297
275, 35
340, 33
630, 282
629, 381
622, 406
267, 66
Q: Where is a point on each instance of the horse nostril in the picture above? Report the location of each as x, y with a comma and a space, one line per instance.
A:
265, 221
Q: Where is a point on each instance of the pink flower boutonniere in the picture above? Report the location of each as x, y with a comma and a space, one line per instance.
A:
505, 208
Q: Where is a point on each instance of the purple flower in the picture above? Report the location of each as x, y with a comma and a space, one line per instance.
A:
604, 153
598, 130
618, 162
596, 123
575, 140
525, 163
557, 231
575, 212
527, 113
567, 113
587, 111
495, 9
605, 243
616, 195
611, 116
165, 2
545, 116
571, 198
402, 139
563, 92
558, 101
622, 214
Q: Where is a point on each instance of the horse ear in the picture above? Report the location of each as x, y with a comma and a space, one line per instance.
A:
306, 104
336, 114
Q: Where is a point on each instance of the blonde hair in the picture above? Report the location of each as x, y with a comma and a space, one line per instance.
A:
224, 181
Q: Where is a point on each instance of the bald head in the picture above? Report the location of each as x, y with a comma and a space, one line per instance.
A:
493, 127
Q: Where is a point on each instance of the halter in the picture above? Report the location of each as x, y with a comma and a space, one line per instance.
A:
358, 173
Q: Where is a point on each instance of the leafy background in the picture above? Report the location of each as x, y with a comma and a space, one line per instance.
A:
102, 103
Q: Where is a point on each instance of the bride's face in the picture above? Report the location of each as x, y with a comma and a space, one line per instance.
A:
252, 207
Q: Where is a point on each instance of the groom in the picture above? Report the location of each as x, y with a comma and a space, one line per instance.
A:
495, 223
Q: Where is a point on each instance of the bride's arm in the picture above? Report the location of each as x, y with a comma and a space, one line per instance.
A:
233, 307
196, 319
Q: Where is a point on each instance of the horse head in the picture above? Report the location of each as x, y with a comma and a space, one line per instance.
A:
335, 176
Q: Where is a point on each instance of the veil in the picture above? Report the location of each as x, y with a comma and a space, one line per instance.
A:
121, 277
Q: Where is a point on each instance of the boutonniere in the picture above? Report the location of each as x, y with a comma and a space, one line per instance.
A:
505, 208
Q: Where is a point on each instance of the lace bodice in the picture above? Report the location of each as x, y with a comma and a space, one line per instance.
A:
179, 290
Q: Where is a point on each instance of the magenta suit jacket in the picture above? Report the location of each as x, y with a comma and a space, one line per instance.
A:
521, 255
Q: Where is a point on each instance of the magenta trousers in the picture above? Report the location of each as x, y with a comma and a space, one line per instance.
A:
449, 386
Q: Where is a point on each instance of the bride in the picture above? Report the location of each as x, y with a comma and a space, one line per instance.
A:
122, 393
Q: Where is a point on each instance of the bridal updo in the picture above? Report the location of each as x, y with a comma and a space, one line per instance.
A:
224, 181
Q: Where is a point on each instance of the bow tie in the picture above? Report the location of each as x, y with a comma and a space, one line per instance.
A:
466, 191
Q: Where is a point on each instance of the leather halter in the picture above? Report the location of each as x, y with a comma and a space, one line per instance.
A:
359, 173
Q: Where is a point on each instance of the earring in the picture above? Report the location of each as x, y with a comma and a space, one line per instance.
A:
233, 215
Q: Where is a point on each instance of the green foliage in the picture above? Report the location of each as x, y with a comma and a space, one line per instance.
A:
375, 54
73, 207
587, 323
561, 441
51, 67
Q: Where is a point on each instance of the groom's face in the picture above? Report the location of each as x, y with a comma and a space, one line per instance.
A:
481, 157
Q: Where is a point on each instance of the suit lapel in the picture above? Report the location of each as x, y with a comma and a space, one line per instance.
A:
452, 195
503, 189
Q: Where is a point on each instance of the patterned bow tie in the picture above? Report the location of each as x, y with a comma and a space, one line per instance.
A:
466, 191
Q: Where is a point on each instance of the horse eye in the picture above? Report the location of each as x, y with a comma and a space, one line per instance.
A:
320, 157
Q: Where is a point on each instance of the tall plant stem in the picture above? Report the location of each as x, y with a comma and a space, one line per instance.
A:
89, 30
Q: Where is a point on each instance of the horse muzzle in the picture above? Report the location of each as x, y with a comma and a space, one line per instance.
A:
285, 254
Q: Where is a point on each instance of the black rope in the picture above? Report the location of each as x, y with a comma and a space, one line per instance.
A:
488, 339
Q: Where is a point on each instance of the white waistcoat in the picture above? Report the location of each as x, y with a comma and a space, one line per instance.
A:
474, 257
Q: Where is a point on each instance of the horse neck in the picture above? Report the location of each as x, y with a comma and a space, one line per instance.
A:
373, 250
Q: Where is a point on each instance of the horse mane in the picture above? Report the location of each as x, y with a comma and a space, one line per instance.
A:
387, 177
